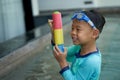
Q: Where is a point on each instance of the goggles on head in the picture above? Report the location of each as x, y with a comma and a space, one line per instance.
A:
82, 16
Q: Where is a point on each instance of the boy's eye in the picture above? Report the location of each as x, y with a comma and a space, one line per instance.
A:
78, 29
72, 28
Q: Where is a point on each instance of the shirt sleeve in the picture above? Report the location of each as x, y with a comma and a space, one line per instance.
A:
71, 50
88, 71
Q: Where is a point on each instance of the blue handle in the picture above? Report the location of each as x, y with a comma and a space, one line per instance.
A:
61, 47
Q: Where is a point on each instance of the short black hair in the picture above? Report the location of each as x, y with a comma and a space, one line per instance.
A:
96, 18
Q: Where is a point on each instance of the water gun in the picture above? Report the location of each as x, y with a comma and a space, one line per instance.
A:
57, 30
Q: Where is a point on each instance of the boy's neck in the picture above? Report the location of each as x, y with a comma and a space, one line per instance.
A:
87, 48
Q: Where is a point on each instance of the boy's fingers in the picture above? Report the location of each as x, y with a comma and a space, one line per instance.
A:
58, 50
55, 52
50, 22
65, 50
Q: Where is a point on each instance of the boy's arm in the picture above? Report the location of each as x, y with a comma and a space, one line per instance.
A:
86, 72
71, 50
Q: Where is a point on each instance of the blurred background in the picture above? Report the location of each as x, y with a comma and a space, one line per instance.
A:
25, 50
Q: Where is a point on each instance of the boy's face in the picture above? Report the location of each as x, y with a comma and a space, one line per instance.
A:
82, 32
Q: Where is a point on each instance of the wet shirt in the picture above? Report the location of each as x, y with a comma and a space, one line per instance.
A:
85, 67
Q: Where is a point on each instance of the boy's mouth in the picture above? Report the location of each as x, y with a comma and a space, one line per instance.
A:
74, 39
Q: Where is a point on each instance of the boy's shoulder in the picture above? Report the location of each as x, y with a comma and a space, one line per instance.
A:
91, 59
94, 59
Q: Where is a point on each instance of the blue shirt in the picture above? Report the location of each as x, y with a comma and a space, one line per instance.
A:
85, 67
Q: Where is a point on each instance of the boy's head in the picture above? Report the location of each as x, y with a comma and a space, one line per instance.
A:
86, 26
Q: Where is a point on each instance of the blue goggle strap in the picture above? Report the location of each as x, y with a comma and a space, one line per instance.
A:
81, 16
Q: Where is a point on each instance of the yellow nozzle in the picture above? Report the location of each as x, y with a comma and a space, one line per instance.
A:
56, 12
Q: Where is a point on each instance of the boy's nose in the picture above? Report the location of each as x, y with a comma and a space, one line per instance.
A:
73, 32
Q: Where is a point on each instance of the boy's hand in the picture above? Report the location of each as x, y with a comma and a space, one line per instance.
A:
50, 23
60, 57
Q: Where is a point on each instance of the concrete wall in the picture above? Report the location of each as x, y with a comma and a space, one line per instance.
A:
2, 33
107, 3
35, 7
11, 19
45, 5
59, 4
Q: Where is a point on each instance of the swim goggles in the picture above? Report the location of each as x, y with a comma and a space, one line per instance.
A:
82, 16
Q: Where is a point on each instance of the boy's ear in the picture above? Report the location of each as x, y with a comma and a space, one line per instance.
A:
95, 33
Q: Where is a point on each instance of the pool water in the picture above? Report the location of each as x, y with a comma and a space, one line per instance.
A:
43, 66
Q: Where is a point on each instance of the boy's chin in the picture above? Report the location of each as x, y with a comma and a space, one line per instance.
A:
75, 43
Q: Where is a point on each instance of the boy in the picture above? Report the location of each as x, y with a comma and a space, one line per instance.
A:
84, 55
